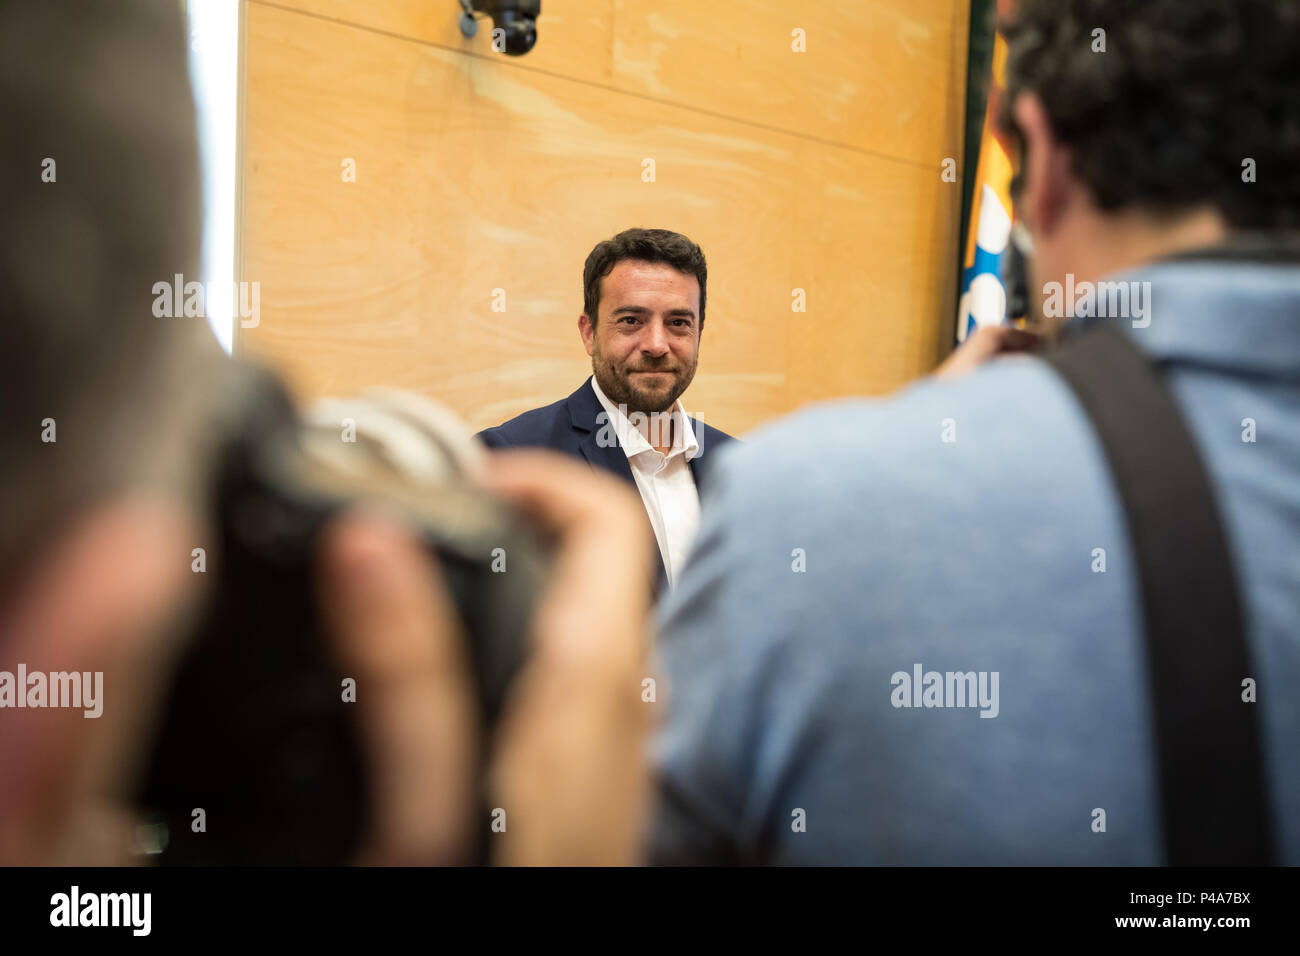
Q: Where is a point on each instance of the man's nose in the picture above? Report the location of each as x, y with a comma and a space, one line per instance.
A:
655, 340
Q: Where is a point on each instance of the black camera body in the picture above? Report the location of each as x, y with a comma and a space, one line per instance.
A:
255, 731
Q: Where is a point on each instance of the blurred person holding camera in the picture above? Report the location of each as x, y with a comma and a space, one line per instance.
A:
108, 452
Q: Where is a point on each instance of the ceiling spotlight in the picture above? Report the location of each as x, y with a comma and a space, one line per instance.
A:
515, 32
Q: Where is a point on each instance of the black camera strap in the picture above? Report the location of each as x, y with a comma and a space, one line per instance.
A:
1211, 770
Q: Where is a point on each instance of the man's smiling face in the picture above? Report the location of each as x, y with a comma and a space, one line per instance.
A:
646, 342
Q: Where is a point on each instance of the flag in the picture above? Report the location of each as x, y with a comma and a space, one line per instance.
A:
983, 298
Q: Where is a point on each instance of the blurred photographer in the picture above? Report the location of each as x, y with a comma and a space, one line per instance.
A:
1097, 549
107, 439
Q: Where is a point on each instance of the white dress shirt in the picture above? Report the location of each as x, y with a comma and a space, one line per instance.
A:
665, 481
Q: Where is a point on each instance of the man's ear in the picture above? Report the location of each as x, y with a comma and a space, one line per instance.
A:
588, 330
1047, 175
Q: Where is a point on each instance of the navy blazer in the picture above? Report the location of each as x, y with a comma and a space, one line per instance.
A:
570, 426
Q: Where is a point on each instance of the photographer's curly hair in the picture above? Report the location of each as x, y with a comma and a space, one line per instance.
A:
1184, 93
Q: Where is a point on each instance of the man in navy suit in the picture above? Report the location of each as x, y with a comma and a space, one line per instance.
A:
643, 314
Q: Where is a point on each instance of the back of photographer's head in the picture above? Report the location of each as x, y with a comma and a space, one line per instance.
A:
100, 196
99, 187
1148, 128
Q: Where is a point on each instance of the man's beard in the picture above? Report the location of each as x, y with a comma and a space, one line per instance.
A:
619, 385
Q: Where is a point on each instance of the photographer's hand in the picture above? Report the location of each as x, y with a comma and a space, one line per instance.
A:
570, 766
985, 343
395, 631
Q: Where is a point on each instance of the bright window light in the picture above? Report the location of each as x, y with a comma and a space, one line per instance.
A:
214, 74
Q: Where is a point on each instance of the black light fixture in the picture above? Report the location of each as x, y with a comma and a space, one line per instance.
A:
516, 23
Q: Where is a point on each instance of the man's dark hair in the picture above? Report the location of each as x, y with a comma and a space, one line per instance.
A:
642, 245
1185, 92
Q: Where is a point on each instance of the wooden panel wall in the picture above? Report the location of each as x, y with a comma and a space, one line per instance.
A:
475, 172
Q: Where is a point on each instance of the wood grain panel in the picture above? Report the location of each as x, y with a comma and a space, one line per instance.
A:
575, 37
473, 176
874, 74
